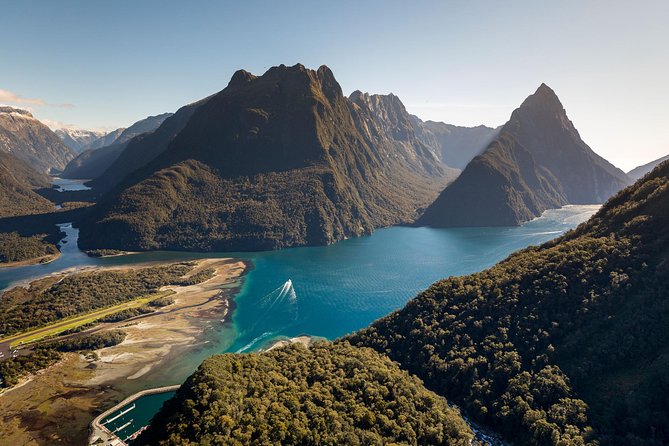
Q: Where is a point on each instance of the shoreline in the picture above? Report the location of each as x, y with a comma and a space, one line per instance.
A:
98, 431
60, 402
34, 261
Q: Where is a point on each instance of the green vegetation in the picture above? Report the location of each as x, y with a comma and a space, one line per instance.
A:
14, 248
103, 252
556, 339
93, 341
126, 314
259, 167
42, 356
18, 181
325, 395
51, 300
161, 302
12, 369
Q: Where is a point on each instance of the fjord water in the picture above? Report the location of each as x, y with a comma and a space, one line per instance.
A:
346, 286
333, 290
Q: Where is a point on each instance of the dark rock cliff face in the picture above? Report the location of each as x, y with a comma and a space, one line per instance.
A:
283, 159
92, 163
31, 141
538, 161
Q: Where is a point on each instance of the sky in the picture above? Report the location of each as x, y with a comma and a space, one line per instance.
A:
107, 64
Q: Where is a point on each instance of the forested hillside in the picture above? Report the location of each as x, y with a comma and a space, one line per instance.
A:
325, 395
272, 161
562, 344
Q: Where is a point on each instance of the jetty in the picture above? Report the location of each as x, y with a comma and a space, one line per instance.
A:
97, 428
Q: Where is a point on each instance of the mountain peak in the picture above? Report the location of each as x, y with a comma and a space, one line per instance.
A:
543, 98
19, 111
241, 77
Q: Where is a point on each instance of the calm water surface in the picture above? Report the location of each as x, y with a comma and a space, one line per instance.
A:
333, 290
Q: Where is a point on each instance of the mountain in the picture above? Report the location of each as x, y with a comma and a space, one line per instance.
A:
143, 149
105, 140
146, 125
278, 160
556, 340
640, 171
78, 139
33, 142
456, 146
384, 120
17, 183
93, 162
538, 161
326, 394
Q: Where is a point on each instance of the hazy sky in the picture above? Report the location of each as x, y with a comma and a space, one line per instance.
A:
106, 64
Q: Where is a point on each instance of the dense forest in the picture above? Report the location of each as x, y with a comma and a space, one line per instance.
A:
51, 299
562, 344
14, 248
565, 344
325, 395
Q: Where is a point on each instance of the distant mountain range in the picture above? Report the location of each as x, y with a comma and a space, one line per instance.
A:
538, 161
640, 171
456, 146
79, 139
31, 141
283, 159
93, 162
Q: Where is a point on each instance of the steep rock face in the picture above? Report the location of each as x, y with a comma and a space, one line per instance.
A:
93, 162
28, 139
455, 145
269, 162
558, 339
17, 181
640, 171
384, 122
538, 161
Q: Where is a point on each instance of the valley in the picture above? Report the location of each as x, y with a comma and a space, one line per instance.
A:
334, 223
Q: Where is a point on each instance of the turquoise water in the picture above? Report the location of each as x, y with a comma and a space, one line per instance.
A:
139, 415
333, 290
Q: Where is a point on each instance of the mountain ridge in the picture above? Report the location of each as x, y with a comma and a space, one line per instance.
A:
27, 138
537, 162
268, 147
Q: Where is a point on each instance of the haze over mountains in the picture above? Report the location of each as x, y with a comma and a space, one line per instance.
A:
640, 171
538, 161
94, 161
79, 139
456, 146
31, 141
